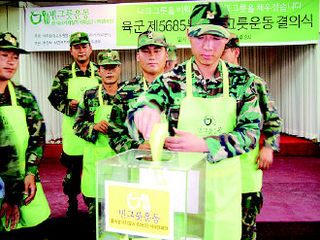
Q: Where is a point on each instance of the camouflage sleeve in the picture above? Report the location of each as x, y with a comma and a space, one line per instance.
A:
241, 140
245, 135
271, 119
156, 97
58, 96
84, 122
119, 138
9, 171
14, 189
37, 131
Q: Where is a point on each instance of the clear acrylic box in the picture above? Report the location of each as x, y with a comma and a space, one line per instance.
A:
142, 199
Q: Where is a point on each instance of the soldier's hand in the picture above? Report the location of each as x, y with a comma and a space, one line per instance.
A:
102, 127
144, 120
144, 146
30, 188
186, 142
265, 158
12, 213
74, 105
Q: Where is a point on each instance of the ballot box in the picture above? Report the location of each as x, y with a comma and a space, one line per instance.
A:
138, 198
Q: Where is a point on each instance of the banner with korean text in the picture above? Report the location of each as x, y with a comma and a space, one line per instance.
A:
256, 22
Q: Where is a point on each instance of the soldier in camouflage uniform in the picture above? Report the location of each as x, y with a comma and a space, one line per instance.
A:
151, 56
19, 181
204, 76
166, 92
173, 57
62, 99
252, 202
88, 126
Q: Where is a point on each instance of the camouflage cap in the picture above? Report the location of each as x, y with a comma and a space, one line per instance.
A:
209, 18
8, 42
108, 57
79, 38
233, 41
172, 50
151, 38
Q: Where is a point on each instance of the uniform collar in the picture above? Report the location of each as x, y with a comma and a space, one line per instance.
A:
217, 76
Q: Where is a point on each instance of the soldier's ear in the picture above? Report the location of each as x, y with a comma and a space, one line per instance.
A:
99, 72
167, 55
237, 52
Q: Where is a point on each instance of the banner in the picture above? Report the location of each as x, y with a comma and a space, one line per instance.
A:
49, 28
260, 22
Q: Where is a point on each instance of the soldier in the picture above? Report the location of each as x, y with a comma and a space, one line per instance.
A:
151, 56
252, 199
67, 89
173, 57
211, 107
91, 123
22, 138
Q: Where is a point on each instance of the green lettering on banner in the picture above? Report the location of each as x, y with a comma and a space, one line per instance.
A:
265, 22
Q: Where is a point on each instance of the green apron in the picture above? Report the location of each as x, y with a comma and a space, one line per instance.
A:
38, 210
95, 152
72, 144
251, 176
214, 116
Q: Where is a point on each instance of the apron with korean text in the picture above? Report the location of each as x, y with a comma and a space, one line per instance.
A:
214, 116
97, 151
72, 144
15, 125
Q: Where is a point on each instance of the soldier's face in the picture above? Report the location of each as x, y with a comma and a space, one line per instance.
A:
152, 59
81, 53
9, 62
109, 73
207, 49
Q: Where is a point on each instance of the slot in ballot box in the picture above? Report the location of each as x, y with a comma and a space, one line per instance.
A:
142, 199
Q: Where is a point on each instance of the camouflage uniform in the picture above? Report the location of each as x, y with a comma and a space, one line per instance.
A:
84, 121
59, 92
167, 91
271, 121
58, 99
36, 127
271, 125
84, 124
125, 98
252, 202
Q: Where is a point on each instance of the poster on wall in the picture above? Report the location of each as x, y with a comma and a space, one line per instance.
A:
49, 28
260, 22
